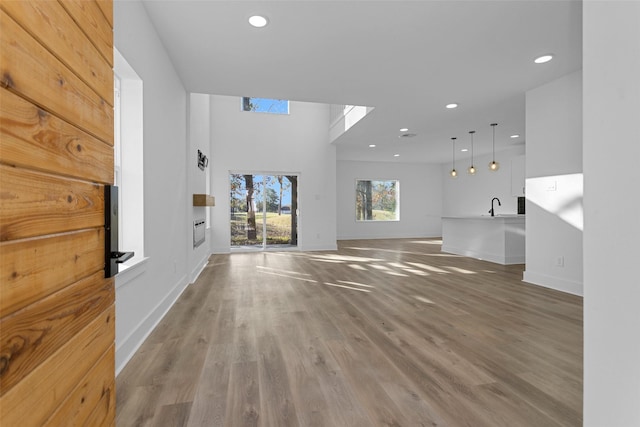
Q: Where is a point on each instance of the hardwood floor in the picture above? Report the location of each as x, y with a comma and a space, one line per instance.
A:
379, 333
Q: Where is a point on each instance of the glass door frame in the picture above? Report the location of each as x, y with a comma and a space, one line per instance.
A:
264, 246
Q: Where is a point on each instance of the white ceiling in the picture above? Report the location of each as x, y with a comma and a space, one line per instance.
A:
405, 58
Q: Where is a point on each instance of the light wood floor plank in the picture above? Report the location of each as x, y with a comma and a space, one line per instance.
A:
378, 333
210, 403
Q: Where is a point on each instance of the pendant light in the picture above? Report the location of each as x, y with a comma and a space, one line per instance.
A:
471, 169
453, 172
494, 166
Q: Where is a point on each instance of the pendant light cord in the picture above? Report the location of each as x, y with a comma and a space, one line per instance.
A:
493, 125
454, 152
472, 132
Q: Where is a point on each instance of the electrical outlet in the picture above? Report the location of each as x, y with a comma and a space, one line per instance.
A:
560, 261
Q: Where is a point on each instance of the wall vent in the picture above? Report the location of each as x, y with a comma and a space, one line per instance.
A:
199, 228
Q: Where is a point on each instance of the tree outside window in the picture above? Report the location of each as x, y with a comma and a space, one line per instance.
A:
265, 105
377, 200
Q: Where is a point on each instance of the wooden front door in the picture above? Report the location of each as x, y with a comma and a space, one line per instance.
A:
57, 326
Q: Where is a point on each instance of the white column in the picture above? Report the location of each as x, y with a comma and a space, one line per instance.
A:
611, 126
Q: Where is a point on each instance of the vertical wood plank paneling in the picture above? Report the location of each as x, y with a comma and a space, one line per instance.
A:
32, 269
33, 334
36, 204
57, 328
30, 70
35, 139
95, 393
91, 19
52, 26
104, 413
106, 7
34, 399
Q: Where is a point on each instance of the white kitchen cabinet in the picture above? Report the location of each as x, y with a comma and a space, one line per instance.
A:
499, 239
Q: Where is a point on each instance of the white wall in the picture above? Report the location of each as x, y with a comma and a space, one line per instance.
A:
420, 200
295, 143
145, 292
470, 195
611, 37
554, 184
199, 139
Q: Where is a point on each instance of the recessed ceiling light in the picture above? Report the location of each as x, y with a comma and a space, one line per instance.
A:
452, 105
515, 136
404, 129
258, 21
372, 145
542, 59
464, 150
396, 155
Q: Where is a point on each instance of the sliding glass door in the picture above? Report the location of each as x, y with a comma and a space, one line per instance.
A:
264, 210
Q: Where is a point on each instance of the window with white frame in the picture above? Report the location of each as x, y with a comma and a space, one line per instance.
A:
377, 200
128, 157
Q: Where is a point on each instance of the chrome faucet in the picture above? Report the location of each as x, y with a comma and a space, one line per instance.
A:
499, 204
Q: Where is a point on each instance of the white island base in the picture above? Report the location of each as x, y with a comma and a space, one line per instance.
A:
499, 239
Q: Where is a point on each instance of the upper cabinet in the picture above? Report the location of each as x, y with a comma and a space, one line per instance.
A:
517, 176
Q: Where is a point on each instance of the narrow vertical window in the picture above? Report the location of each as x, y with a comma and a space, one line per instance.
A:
117, 145
129, 156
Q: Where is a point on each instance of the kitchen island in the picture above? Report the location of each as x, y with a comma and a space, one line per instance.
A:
499, 239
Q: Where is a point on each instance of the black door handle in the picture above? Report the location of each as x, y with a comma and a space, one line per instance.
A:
121, 257
112, 256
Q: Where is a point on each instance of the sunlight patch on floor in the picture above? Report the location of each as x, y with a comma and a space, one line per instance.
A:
260, 267
355, 284
416, 272
408, 269
346, 287
427, 267
345, 258
395, 273
428, 242
423, 299
397, 265
331, 261
395, 251
290, 277
461, 270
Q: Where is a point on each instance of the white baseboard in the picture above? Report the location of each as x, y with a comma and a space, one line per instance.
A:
132, 342
195, 273
386, 236
221, 250
302, 248
557, 283
312, 248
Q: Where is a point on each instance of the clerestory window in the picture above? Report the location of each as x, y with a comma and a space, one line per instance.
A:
265, 105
